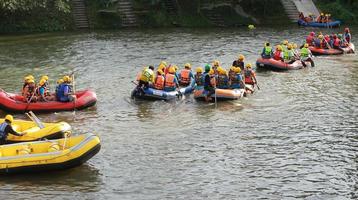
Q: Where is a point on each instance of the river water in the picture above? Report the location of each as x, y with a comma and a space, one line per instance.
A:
293, 139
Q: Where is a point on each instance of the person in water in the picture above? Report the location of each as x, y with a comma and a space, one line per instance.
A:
209, 84
267, 51
199, 76
186, 75
223, 79
239, 62
306, 55
250, 76
64, 92
30, 91
159, 80
237, 82
6, 129
171, 81
146, 78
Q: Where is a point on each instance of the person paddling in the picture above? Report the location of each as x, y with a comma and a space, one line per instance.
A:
306, 55
6, 129
209, 87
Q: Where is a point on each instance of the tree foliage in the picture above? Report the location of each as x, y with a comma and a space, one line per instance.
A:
28, 5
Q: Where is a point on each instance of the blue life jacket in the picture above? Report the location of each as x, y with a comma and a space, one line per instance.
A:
203, 77
236, 82
317, 43
2, 130
61, 93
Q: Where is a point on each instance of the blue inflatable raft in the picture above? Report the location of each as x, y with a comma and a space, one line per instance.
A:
322, 25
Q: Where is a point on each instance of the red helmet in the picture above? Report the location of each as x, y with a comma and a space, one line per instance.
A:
312, 34
346, 30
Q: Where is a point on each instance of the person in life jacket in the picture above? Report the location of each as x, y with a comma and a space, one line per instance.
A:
267, 51
237, 82
306, 55
327, 44
317, 42
215, 66
159, 80
301, 16
59, 82
26, 82
284, 45
310, 38
147, 77
295, 52
64, 93
162, 65
222, 79
199, 76
171, 81
186, 75
320, 18
30, 91
250, 76
209, 83
347, 35
278, 55
232, 72
6, 129
42, 93
323, 42
289, 55
337, 42
239, 62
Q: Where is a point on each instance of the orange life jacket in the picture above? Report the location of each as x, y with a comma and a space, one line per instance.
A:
169, 80
185, 76
159, 82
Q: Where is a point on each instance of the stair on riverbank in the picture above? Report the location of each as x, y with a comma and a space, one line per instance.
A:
306, 7
125, 8
207, 9
79, 14
290, 9
172, 7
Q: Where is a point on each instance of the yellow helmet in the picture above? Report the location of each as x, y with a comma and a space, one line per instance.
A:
306, 45
26, 79
320, 37
285, 42
161, 72
251, 26
9, 118
163, 63
45, 77
31, 81
232, 68
322, 14
241, 57
31, 77
216, 63
278, 47
220, 69
161, 67
42, 82
294, 45
289, 46
175, 68
171, 70
187, 65
211, 72
66, 79
237, 70
59, 81
199, 70
248, 65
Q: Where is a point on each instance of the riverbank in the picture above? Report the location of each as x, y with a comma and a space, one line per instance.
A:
345, 11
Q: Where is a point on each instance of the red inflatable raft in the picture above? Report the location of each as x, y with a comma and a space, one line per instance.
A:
273, 64
319, 51
14, 103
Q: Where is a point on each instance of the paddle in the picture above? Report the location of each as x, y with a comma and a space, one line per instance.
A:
29, 101
34, 118
74, 92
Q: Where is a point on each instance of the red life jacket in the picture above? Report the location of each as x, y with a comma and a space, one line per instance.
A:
185, 76
277, 55
169, 80
309, 39
159, 82
337, 42
248, 76
324, 44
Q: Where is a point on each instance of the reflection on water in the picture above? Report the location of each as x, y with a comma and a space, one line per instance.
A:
294, 138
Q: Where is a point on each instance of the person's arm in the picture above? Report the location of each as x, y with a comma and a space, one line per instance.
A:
10, 130
176, 82
66, 90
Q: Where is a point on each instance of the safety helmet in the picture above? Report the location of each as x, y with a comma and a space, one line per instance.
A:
45, 77
163, 63
171, 70
187, 65
207, 68
294, 45
42, 82
216, 63
31, 77
285, 42
26, 79
289, 46
9, 118
223, 72
279, 48
326, 15
320, 37
161, 67
31, 81
322, 14
220, 69
241, 57
248, 65
251, 26
211, 72
312, 34
66, 79
175, 68
306, 45
160, 72
237, 70
59, 81
199, 70
232, 68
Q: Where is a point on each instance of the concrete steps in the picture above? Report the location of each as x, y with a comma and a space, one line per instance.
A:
129, 18
171, 7
79, 14
290, 9
209, 12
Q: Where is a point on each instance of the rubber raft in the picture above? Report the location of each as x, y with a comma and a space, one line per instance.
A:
319, 51
33, 132
221, 94
15, 103
154, 94
41, 156
278, 65
322, 25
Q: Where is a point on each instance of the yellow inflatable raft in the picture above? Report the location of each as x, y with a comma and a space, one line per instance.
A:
48, 155
33, 132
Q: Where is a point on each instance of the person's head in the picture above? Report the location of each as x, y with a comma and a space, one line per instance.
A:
306, 45
241, 57
60, 81
199, 70
248, 65
9, 119
171, 70
285, 42
339, 36
320, 37
151, 67
312, 34
66, 79
279, 48
322, 14
31, 76
207, 68
216, 63
42, 82
31, 82
346, 30
26, 79
294, 46
267, 44
45, 77
187, 66
237, 70
163, 63
289, 46
160, 72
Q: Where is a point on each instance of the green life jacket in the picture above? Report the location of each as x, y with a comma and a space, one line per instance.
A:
288, 54
268, 51
304, 52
